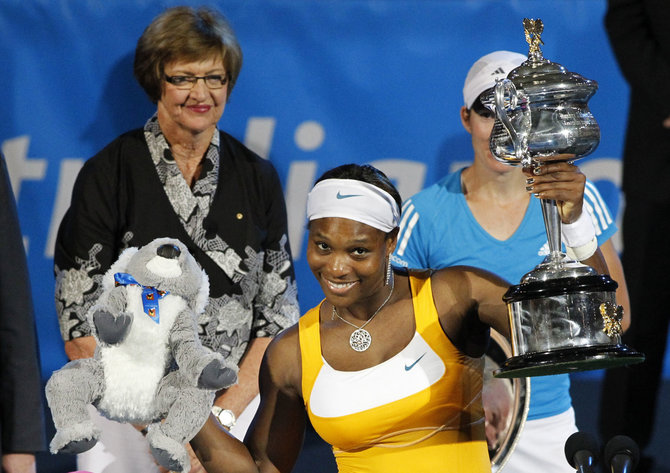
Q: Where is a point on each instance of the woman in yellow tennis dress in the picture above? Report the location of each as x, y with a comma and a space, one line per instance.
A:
389, 366
420, 410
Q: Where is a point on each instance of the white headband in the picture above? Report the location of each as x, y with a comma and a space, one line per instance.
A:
355, 200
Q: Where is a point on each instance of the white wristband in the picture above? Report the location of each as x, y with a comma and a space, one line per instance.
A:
580, 232
580, 253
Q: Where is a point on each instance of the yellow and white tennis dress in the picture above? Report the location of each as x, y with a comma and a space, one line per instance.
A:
419, 411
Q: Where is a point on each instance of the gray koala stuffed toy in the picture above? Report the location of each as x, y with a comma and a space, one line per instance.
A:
149, 366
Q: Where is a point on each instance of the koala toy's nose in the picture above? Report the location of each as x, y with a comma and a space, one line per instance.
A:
168, 251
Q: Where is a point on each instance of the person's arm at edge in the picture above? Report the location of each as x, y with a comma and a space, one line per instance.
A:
275, 437
460, 292
220, 452
82, 347
18, 463
237, 397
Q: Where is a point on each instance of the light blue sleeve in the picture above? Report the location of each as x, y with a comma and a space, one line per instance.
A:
411, 250
602, 217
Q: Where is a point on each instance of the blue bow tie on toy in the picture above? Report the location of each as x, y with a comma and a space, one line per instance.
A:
150, 295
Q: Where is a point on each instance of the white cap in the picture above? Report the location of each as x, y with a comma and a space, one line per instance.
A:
484, 73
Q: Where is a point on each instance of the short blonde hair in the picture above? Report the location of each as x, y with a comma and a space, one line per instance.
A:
185, 33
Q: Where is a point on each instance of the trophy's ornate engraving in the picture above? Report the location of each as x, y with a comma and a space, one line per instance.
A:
533, 29
612, 315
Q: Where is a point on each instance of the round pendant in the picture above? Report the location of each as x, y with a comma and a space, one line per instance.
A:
360, 340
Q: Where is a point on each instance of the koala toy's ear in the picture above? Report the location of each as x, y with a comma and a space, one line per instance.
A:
119, 266
202, 298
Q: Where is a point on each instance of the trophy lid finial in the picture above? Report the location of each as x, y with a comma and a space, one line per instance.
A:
533, 29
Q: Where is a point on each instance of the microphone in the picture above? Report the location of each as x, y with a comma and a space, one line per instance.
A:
622, 454
581, 451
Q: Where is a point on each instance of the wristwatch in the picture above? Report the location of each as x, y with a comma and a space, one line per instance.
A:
226, 417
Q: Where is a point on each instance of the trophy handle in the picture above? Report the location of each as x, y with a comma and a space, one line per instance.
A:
507, 98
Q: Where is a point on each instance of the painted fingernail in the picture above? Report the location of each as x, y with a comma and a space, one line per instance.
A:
529, 188
530, 181
537, 171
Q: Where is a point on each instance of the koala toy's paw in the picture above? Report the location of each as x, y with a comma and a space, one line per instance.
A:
111, 329
169, 453
217, 375
74, 439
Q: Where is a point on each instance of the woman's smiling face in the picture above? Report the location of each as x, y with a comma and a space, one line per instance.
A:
348, 259
199, 108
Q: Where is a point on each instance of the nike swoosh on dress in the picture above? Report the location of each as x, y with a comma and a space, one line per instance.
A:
409, 367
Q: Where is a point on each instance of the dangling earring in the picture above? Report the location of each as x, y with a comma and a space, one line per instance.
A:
387, 281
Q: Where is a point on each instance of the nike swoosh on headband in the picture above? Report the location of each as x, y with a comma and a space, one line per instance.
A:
346, 196
409, 367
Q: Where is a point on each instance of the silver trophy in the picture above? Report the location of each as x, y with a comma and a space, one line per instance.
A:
563, 315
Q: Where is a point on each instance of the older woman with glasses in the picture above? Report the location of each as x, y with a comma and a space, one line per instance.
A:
182, 177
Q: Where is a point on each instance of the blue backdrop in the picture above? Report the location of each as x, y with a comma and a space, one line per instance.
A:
323, 83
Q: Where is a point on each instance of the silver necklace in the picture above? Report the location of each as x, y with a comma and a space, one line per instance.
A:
360, 339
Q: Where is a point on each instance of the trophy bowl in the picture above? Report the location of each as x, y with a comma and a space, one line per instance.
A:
563, 315
541, 110
551, 115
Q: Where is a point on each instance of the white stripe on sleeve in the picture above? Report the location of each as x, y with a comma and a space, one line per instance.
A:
407, 210
594, 218
597, 207
407, 232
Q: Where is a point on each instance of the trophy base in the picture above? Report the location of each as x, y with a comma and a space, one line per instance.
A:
568, 360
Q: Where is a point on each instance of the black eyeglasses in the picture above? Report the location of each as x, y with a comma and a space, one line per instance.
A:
481, 110
214, 81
